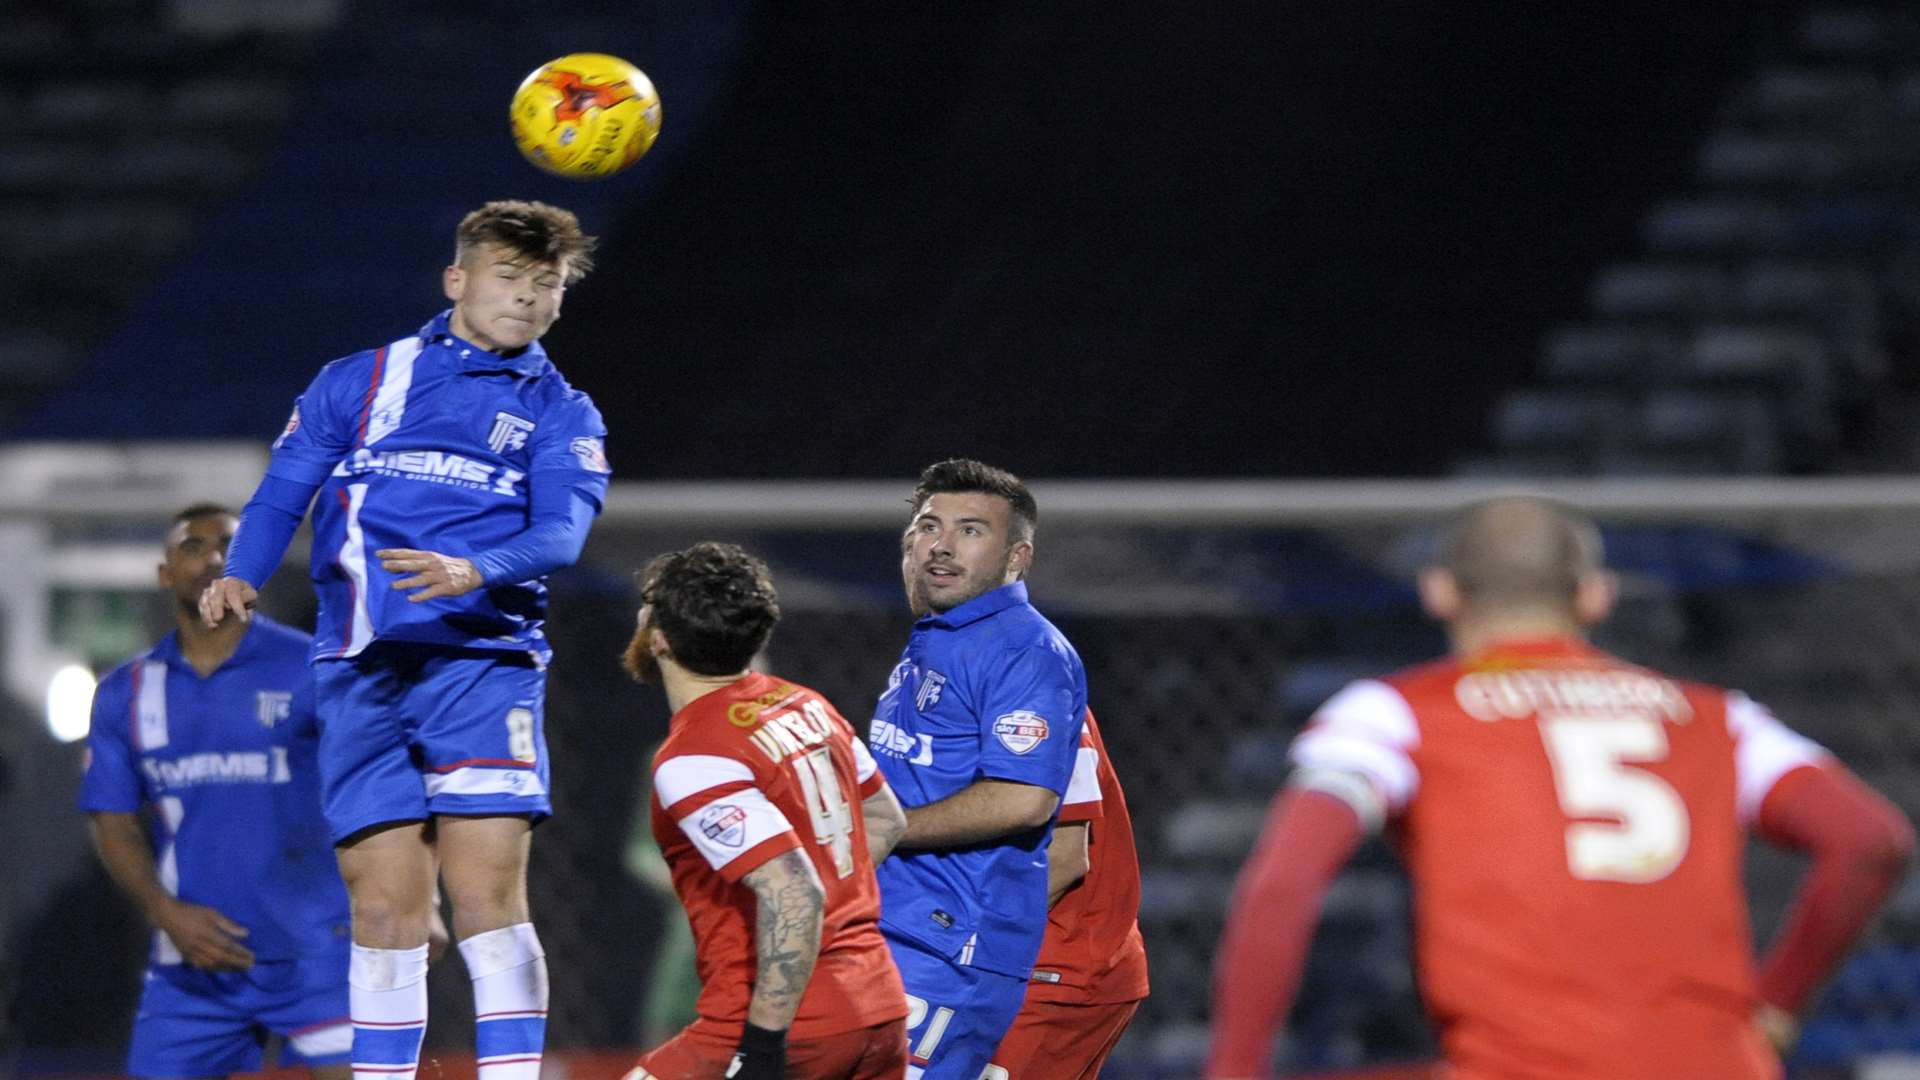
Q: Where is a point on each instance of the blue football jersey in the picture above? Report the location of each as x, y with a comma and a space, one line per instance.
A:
227, 764
987, 691
433, 443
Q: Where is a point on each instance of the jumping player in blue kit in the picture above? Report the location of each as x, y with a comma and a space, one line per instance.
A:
977, 733
455, 469
212, 733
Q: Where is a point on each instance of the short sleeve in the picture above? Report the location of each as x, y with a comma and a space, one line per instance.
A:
1368, 732
1029, 719
112, 780
319, 432
1764, 750
866, 771
728, 819
570, 449
1082, 800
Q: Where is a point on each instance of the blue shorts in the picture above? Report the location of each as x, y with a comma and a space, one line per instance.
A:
407, 732
956, 1015
200, 1023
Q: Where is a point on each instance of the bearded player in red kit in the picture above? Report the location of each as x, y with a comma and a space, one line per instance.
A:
1573, 826
770, 815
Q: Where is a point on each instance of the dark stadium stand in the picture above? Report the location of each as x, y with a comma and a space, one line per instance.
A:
1768, 307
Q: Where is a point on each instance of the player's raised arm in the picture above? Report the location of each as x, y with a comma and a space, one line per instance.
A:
317, 436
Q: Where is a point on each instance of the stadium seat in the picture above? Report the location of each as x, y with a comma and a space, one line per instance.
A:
1558, 420
1774, 161
1656, 291
1806, 99
1211, 828
1737, 429
227, 103
88, 105
1745, 355
1719, 225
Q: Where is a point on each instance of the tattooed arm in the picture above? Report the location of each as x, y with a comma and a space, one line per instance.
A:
788, 902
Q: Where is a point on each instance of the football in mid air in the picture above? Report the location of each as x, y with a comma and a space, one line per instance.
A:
585, 116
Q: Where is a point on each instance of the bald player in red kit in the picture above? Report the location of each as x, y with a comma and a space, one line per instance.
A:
1573, 826
770, 815
1092, 970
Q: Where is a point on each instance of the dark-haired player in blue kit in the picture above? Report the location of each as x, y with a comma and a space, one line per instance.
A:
977, 733
455, 469
212, 733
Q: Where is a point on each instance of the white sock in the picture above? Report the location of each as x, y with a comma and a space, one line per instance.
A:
509, 972
387, 995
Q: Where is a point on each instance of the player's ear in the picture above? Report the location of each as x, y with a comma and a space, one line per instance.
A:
1440, 594
453, 281
1020, 560
163, 575
1595, 596
657, 645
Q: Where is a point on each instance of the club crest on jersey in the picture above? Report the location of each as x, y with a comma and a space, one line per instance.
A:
592, 454
1020, 731
273, 706
724, 823
509, 432
929, 693
293, 425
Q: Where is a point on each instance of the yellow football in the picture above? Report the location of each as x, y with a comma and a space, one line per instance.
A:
585, 116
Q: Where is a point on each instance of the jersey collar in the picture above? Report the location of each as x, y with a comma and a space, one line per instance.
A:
473, 359
1506, 652
987, 603
167, 650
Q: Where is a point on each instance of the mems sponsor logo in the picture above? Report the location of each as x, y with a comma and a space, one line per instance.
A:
432, 466
240, 767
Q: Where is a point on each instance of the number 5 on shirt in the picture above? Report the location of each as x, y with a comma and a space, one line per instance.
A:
1594, 759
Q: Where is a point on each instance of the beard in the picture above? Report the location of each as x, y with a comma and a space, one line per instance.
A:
639, 660
921, 600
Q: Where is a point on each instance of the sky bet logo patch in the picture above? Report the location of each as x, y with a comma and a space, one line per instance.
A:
1021, 731
724, 823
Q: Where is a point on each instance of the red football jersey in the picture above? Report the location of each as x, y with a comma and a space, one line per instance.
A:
1092, 953
1574, 828
747, 772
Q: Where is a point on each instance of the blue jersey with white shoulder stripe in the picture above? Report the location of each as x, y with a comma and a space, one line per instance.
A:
989, 690
435, 444
227, 764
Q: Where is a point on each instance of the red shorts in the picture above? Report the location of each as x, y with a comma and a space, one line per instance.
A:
875, 1053
1054, 1041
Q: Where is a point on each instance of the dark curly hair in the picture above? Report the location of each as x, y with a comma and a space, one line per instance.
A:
714, 602
534, 231
966, 476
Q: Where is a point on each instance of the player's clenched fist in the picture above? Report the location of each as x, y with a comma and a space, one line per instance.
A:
227, 595
434, 574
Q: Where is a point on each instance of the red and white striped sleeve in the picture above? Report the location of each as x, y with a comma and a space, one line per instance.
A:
865, 770
1359, 748
720, 809
1764, 751
1082, 800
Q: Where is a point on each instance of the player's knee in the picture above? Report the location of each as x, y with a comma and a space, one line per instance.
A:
388, 920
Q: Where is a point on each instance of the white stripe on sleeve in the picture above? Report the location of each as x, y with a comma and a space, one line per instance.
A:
732, 825
1368, 729
863, 763
679, 777
1084, 786
1764, 750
